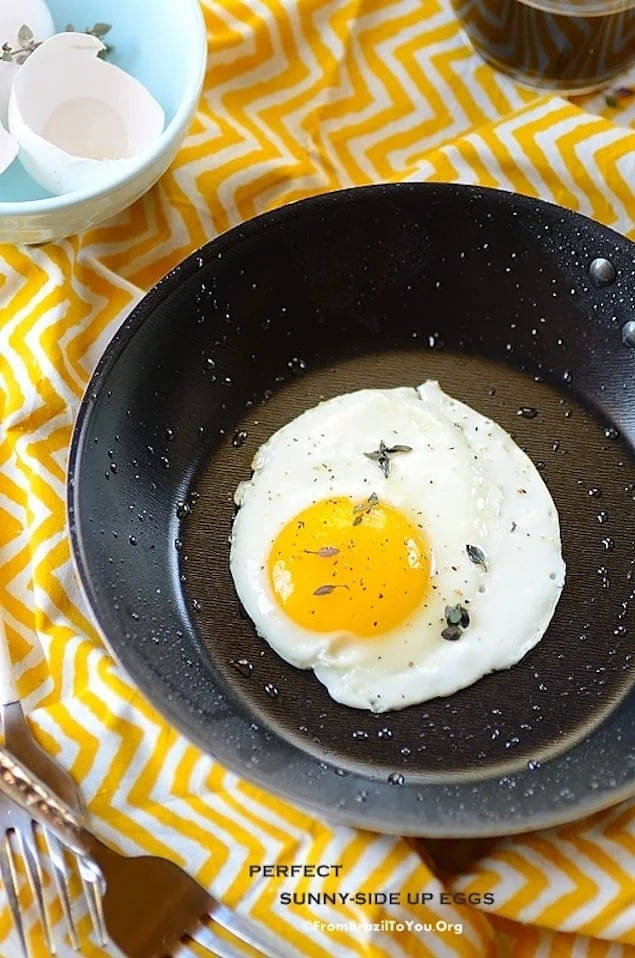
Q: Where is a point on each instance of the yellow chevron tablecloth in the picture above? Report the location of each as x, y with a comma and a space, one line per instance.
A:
302, 96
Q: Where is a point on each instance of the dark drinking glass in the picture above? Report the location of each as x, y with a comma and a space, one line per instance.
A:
572, 46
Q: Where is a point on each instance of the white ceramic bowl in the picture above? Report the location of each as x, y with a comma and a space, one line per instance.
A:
163, 43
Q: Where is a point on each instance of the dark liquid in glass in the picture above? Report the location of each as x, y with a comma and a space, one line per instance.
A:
573, 45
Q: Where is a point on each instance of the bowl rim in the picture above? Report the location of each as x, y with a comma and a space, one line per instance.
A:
198, 53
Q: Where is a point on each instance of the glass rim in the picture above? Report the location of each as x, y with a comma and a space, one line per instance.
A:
581, 8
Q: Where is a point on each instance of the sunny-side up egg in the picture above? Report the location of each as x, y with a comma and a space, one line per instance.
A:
399, 544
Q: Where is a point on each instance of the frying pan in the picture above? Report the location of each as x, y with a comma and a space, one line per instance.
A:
510, 303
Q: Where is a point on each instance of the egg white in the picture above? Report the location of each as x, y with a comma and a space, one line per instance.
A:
465, 481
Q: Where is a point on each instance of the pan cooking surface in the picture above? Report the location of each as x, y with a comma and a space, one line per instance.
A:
378, 287
560, 690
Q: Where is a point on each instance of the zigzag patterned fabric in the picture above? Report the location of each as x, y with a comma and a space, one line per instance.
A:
301, 97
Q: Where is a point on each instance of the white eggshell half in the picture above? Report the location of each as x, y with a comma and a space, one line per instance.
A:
8, 149
79, 120
13, 15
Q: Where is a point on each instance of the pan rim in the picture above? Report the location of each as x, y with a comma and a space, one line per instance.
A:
183, 720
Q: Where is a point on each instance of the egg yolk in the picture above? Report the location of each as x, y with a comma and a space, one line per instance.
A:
340, 565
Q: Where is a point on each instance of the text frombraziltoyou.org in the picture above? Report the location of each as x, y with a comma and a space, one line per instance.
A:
404, 926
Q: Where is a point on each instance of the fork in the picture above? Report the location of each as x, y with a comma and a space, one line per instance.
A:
150, 905
19, 740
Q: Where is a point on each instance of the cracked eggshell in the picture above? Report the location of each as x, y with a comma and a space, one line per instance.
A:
14, 14
8, 149
79, 120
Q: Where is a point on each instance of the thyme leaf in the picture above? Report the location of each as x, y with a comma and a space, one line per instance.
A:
457, 615
327, 589
100, 29
25, 34
451, 633
477, 556
326, 552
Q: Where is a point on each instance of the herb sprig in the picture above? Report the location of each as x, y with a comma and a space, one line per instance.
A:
382, 455
28, 43
363, 508
457, 620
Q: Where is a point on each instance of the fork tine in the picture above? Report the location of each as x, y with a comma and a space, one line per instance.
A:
220, 948
9, 880
246, 930
60, 877
27, 842
92, 892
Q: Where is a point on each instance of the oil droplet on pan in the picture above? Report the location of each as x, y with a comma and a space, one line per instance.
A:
240, 438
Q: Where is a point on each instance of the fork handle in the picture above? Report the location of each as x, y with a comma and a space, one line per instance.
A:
37, 799
8, 690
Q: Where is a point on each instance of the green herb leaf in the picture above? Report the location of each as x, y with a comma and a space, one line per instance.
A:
100, 29
384, 465
326, 552
7, 56
25, 34
452, 633
476, 555
324, 590
611, 101
452, 615
457, 615
395, 449
327, 589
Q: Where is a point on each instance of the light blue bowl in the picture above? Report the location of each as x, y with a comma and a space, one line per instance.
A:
163, 43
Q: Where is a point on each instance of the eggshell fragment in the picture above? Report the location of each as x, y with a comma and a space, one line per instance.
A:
8, 149
14, 14
78, 119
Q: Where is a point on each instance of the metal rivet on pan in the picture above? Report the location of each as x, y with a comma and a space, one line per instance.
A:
628, 333
602, 272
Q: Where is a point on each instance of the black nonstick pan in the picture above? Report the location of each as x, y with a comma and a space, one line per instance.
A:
513, 305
